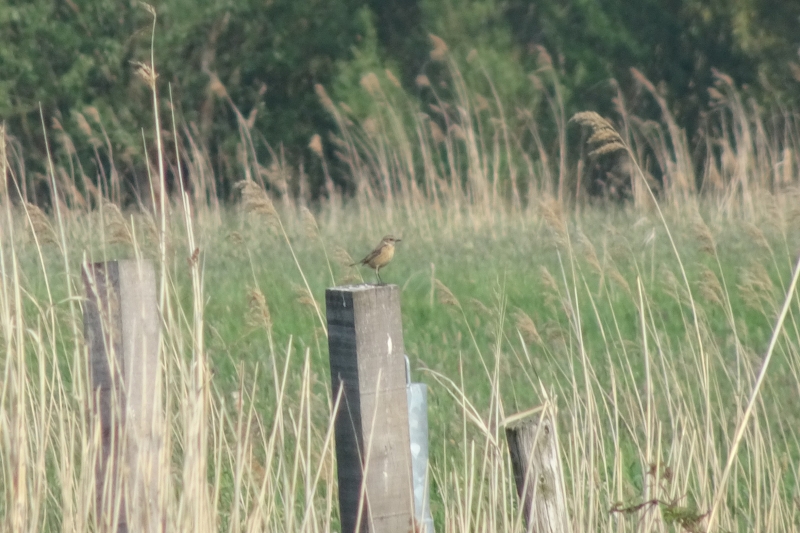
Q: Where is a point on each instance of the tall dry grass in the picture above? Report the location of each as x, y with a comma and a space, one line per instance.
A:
676, 429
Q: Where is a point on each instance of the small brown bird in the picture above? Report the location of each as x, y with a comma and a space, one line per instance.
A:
380, 256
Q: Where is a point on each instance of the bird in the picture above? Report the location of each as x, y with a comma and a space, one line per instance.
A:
380, 256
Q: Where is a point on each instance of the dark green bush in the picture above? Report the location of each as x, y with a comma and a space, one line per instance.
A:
77, 57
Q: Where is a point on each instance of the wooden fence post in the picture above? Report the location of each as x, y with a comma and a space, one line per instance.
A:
533, 446
365, 340
122, 329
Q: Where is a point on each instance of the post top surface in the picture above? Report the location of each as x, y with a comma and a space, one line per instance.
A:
361, 287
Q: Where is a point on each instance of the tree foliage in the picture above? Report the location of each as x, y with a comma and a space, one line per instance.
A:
224, 60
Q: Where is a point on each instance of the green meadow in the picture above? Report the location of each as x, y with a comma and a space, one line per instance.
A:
664, 327
649, 357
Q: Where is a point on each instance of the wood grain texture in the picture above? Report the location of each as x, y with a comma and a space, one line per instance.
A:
533, 446
122, 328
365, 340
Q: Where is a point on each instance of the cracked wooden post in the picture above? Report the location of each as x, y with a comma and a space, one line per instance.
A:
122, 328
365, 340
533, 446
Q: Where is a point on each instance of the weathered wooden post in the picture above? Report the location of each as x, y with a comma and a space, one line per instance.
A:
121, 326
365, 340
533, 446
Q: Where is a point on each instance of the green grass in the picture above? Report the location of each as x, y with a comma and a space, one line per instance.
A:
646, 331
580, 287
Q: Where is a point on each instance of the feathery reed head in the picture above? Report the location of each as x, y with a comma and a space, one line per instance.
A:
316, 145
370, 83
445, 295
147, 73
309, 223
40, 226
324, 99
257, 309
527, 328
256, 200
439, 51
555, 219
604, 138
117, 230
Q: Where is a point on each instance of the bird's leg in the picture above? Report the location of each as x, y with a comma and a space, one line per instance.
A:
378, 273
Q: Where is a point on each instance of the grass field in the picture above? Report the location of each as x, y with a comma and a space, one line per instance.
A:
649, 331
591, 310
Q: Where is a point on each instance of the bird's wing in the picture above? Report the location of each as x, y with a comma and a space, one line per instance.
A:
372, 255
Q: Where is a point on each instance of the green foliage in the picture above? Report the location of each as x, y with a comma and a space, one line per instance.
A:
62, 57
674, 42
264, 59
366, 59
268, 58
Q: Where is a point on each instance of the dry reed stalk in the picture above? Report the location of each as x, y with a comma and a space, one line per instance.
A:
744, 421
704, 236
604, 138
437, 135
3, 166
710, 288
757, 236
315, 144
40, 226
256, 200
757, 289
446, 296
258, 314
672, 286
480, 307
787, 168
147, 73
618, 278
392, 78
589, 253
342, 257
555, 220
439, 51
370, 83
151, 233
324, 99
116, 229
304, 297
547, 279
310, 224
679, 176
527, 328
